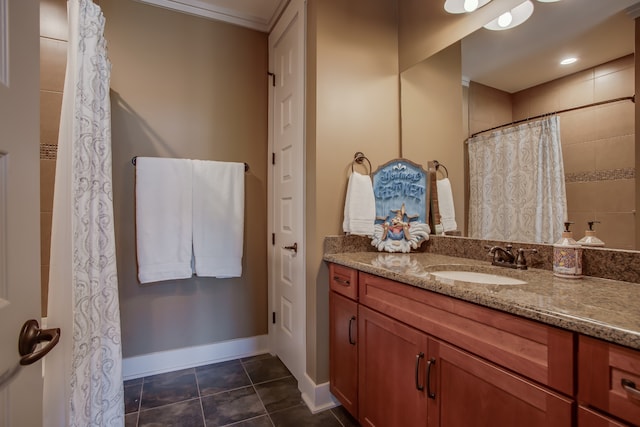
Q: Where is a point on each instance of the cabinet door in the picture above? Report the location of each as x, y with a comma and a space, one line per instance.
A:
343, 351
589, 418
472, 392
392, 372
609, 378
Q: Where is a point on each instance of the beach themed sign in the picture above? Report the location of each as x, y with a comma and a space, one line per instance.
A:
401, 190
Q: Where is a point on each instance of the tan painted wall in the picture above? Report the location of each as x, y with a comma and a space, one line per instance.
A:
426, 28
187, 87
352, 105
431, 105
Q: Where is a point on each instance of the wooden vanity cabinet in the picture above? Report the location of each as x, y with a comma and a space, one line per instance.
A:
343, 336
609, 379
425, 359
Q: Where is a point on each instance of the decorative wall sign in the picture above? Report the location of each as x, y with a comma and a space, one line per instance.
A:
401, 189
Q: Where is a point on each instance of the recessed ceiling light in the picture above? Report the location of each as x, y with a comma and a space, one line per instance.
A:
568, 61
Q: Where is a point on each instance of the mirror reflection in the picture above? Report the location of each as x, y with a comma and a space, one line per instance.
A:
515, 75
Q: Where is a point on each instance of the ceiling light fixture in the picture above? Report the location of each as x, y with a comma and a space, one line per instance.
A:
568, 61
470, 5
512, 18
463, 6
505, 20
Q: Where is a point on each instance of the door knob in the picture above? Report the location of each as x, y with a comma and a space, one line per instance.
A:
293, 247
30, 336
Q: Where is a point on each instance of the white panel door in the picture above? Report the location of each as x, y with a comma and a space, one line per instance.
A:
287, 278
21, 395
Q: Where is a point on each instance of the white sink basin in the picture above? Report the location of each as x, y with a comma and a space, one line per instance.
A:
475, 277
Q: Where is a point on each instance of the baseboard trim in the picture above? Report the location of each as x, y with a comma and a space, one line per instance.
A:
182, 358
317, 396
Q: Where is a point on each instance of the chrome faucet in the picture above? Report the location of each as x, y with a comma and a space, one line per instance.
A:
504, 257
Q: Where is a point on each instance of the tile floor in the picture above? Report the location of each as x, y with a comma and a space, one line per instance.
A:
253, 392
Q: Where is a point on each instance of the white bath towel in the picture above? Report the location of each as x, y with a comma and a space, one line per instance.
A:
359, 206
163, 218
445, 205
218, 218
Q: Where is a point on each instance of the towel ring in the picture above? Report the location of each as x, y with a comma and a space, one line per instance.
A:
358, 158
439, 165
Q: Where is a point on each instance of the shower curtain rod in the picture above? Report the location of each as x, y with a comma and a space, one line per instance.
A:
134, 158
539, 116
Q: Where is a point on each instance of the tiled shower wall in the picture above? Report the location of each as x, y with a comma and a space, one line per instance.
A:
598, 143
53, 59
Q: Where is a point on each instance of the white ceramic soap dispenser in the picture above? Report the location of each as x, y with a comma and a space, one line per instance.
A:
590, 238
567, 256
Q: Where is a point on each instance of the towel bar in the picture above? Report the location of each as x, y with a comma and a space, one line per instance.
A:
133, 162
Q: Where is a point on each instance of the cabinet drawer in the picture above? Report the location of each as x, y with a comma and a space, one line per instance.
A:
589, 418
609, 378
534, 350
344, 280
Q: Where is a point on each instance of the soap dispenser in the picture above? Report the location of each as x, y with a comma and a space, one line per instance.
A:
590, 238
567, 256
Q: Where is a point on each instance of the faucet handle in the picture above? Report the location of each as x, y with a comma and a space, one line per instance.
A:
521, 261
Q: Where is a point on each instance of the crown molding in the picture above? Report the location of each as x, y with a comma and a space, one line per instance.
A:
208, 10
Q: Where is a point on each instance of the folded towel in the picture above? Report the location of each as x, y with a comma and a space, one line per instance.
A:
218, 218
445, 204
359, 206
163, 218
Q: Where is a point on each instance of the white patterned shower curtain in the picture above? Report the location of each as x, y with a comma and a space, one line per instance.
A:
83, 377
516, 183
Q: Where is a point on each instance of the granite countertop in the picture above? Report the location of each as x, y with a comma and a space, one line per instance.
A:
601, 308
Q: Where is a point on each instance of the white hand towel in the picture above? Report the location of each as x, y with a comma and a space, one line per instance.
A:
163, 218
445, 205
359, 206
218, 218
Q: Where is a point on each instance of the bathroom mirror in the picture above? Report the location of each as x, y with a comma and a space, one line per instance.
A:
515, 74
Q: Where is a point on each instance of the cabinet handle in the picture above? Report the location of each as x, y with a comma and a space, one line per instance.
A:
430, 363
630, 387
351, 341
340, 281
418, 357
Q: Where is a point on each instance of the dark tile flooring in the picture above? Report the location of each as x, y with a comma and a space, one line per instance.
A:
253, 392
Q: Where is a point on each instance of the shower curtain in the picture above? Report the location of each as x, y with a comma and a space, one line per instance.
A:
516, 183
83, 377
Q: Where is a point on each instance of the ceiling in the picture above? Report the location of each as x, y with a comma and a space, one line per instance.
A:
259, 15
594, 31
